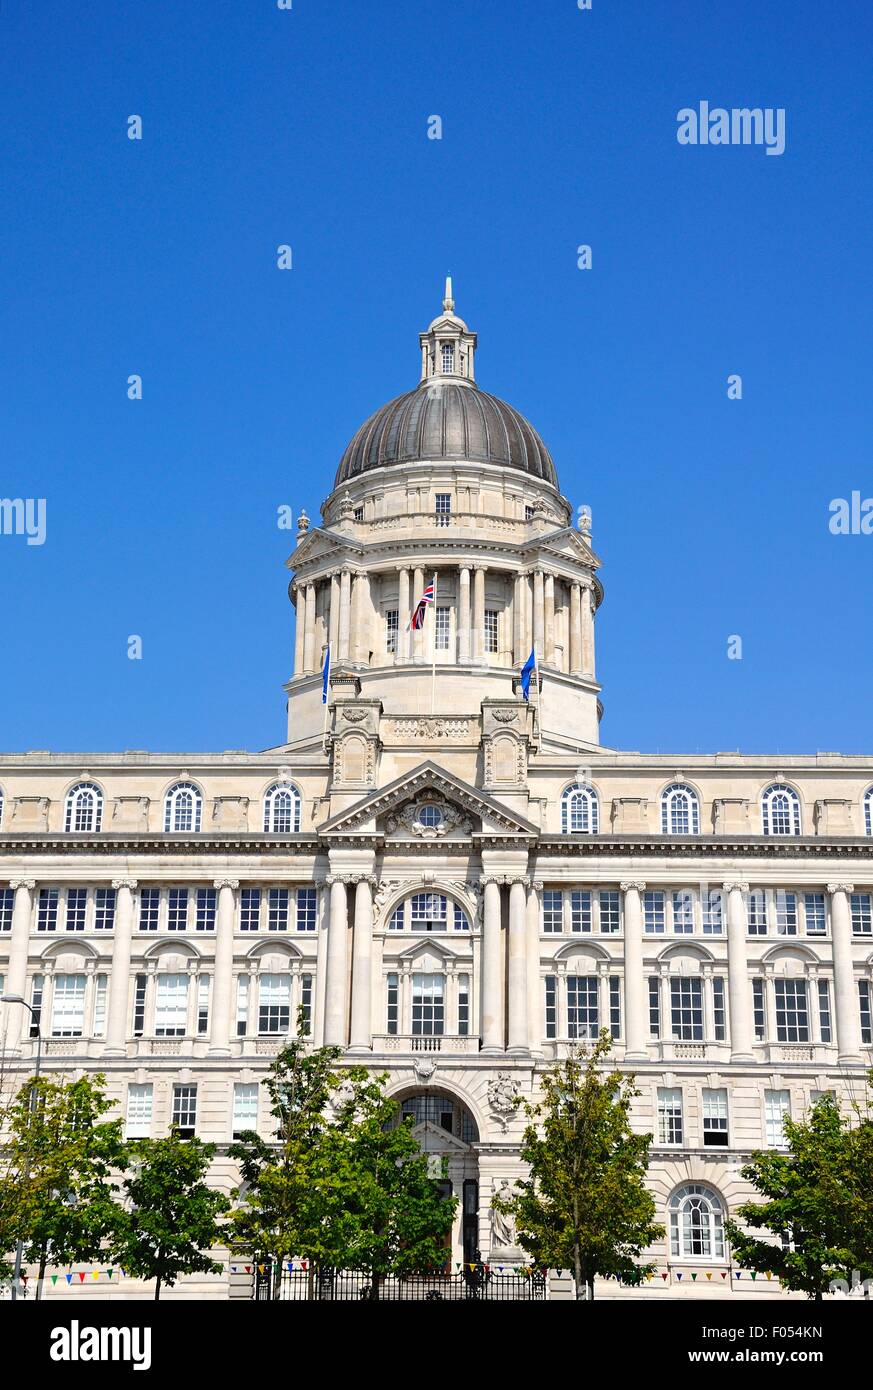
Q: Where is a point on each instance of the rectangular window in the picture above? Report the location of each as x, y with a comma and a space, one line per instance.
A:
580, 910
139, 1110
104, 909
792, 1011
47, 910
862, 916
654, 912
306, 909
392, 627
278, 909
392, 993
609, 900
582, 1010
786, 913
177, 910
185, 1110
719, 1022
443, 506
245, 1107
824, 1011
864, 1002
171, 1006
139, 1005
553, 910
149, 908
758, 1011
686, 1008
654, 1006
669, 1115
274, 1004
428, 1005
428, 912
756, 912
614, 1006
442, 629
100, 989
36, 992
461, 922
7, 903
68, 1006
490, 630
463, 1005
713, 912
815, 914
683, 912
551, 1006
202, 1005
242, 1005
358, 514
715, 1119
206, 900
528, 512
776, 1107
249, 909
306, 1004
77, 905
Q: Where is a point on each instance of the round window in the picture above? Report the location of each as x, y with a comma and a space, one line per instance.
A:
430, 816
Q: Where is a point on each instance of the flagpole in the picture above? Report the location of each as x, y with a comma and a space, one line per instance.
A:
433, 651
325, 691
537, 679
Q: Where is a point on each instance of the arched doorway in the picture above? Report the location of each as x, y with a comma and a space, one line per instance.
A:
447, 1131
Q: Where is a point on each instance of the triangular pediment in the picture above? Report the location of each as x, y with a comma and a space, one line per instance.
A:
433, 1139
566, 543
385, 811
321, 543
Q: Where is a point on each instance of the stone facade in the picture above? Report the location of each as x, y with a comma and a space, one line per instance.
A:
454, 881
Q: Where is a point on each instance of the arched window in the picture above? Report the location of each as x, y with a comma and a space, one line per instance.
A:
696, 1223
680, 810
281, 808
428, 912
84, 810
868, 812
579, 811
780, 810
183, 806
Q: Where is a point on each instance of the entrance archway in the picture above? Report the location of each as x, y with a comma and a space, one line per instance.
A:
446, 1130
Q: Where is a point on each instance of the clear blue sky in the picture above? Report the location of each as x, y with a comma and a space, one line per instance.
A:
262, 127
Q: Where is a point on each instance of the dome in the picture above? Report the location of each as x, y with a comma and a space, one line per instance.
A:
447, 419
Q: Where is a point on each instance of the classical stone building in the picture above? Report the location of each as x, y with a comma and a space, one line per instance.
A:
454, 881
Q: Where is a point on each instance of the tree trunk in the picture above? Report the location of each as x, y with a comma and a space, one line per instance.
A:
578, 1279
590, 1293
157, 1288
40, 1278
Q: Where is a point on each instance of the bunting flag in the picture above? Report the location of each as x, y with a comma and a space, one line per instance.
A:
82, 1278
54, 1278
69, 1278
665, 1274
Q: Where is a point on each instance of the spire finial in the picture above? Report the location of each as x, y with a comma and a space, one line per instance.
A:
448, 302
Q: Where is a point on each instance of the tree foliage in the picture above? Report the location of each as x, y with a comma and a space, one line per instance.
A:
584, 1205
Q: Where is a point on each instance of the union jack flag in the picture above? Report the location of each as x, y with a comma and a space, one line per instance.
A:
418, 612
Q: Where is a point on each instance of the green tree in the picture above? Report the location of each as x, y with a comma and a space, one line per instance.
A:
59, 1188
584, 1205
818, 1203
173, 1217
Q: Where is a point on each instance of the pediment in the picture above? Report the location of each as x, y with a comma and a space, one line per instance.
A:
395, 810
432, 1139
568, 545
318, 544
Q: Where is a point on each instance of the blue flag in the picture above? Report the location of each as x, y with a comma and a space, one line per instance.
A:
325, 676
527, 671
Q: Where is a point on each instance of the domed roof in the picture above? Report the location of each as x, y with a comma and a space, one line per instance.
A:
447, 419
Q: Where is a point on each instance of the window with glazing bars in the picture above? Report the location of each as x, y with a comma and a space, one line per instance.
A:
719, 1020
582, 1009
392, 1000
614, 1006
177, 909
104, 909
249, 909
609, 902
669, 1115
306, 1004
242, 1005
203, 1004
171, 1006
7, 904
824, 1011
864, 1002
306, 909
715, 1118
683, 912
392, 627
490, 630
815, 914
463, 1005
862, 915
428, 1005
713, 912
77, 906
551, 1006
756, 912
274, 1003
149, 908
185, 1110
654, 912
47, 909
245, 1107
139, 1005
442, 629
580, 910
553, 910
686, 1009
758, 1010
278, 908
786, 913
654, 1006
36, 993
205, 909
792, 1012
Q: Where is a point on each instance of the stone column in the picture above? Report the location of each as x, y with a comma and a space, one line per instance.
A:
534, 986
575, 628
222, 980
517, 1032
345, 615
360, 640
587, 607
739, 984
337, 965
299, 628
119, 979
16, 1018
416, 637
845, 989
491, 986
519, 655
404, 608
464, 613
636, 1030
309, 630
478, 645
320, 967
549, 619
333, 617
362, 966
538, 613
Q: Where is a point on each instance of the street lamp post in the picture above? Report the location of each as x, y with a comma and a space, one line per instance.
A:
17, 999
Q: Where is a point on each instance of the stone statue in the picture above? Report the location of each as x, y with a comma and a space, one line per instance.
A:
502, 1223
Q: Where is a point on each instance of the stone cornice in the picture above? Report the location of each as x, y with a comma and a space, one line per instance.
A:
707, 847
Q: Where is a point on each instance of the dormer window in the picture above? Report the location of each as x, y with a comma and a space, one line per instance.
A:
448, 358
